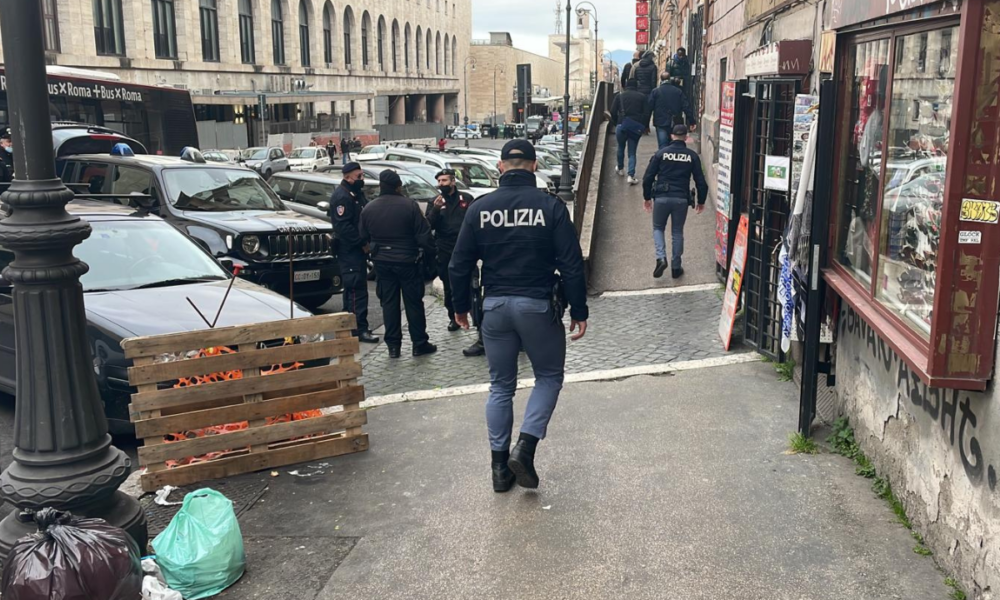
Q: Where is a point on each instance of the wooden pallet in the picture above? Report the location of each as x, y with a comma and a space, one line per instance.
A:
160, 408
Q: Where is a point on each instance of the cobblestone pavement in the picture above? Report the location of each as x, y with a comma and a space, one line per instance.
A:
624, 331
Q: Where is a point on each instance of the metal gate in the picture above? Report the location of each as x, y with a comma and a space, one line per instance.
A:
695, 54
772, 124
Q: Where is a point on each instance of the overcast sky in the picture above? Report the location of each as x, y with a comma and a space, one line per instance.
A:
530, 22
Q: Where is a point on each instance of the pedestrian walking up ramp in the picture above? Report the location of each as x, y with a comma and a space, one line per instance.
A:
221, 402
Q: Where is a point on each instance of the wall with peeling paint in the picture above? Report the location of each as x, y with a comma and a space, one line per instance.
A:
939, 448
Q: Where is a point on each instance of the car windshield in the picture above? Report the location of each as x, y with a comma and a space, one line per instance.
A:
255, 153
416, 188
218, 190
373, 150
125, 255
303, 153
473, 175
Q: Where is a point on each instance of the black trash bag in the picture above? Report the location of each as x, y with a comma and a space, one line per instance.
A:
72, 559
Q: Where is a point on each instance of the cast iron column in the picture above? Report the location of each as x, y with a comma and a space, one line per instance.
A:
63, 456
565, 186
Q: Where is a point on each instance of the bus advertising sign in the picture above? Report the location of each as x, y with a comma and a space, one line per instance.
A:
90, 90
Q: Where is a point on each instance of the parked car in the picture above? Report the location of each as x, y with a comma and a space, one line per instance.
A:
375, 152
462, 133
266, 160
309, 158
428, 173
309, 193
217, 156
227, 209
413, 186
477, 176
142, 273
81, 138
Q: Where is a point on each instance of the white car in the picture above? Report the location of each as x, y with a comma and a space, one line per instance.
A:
480, 176
308, 159
375, 152
462, 133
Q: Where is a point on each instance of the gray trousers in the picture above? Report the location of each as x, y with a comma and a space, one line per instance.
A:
510, 322
675, 209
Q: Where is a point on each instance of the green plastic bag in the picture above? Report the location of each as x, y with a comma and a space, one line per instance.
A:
201, 552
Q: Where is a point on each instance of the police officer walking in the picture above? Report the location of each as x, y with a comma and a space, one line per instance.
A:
397, 231
331, 151
666, 189
522, 235
346, 204
445, 215
6, 157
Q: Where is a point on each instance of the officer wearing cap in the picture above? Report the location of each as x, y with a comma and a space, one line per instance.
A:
398, 233
666, 190
346, 204
6, 157
523, 236
445, 215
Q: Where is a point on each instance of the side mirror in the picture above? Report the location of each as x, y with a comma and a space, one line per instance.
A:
323, 206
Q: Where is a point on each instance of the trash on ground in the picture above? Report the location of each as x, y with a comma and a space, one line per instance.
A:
154, 587
547, 507
275, 473
201, 551
163, 495
297, 474
72, 558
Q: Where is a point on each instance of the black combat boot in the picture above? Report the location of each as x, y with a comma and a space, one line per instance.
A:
476, 349
393, 351
661, 266
424, 349
503, 479
522, 461
677, 273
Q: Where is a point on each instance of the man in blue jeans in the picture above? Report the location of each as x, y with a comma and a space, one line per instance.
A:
630, 112
667, 195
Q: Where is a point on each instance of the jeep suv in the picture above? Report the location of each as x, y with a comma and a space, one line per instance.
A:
227, 209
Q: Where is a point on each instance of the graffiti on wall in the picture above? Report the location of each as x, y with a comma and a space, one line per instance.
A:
953, 411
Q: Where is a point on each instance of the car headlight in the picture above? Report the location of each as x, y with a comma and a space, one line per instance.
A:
250, 244
311, 338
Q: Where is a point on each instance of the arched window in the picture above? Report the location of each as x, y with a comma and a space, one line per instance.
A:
437, 54
430, 50
366, 32
304, 33
406, 47
328, 33
348, 30
395, 46
277, 33
380, 38
246, 32
419, 47
447, 53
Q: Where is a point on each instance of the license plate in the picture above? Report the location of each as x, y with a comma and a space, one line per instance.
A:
301, 276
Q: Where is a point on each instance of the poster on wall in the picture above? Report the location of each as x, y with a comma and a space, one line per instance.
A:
724, 171
777, 170
734, 284
806, 111
721, 238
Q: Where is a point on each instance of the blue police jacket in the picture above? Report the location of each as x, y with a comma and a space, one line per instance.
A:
670, 171
523, 235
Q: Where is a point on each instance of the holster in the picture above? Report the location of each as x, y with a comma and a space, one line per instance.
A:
477, 299
558, 301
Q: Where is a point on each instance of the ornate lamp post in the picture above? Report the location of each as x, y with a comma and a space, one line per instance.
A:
468, 60
63, 456
592, 10
565, 187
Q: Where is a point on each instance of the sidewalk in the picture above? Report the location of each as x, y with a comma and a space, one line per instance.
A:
652, 487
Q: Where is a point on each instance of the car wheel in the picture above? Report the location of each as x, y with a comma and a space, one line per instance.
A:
267, 174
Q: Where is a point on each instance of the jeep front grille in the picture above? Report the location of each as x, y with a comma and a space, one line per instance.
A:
299, 245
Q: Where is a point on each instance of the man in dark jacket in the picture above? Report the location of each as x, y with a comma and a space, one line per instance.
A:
445, 215
645, 74
346, 204
668, 103
397, 232
630, 113
680, 67
627, 69
345, 150
668, 181
331, 151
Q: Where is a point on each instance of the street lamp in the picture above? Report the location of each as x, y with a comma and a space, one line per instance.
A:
495, 69
468, 60
63, 456
593, 11
565, 188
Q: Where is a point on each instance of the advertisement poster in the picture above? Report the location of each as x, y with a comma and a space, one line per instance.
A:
734, 284
724, 192
806, 111
777, 170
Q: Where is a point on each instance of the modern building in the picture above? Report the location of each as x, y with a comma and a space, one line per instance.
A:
318, 65
585, 57
493, 81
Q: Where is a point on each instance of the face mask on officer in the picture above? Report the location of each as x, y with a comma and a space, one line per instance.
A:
446, 189
358, 185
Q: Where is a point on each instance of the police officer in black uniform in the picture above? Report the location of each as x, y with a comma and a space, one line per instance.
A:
346, 204
523, 236
6, 156
398, 233
666, 189
445, 215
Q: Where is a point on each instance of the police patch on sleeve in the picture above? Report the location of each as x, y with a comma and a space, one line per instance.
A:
340, 210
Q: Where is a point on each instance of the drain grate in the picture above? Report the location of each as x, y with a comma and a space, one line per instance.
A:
243, 491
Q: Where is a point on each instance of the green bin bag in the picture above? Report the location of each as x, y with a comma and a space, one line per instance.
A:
201, 552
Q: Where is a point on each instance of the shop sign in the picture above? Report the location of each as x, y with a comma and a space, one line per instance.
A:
726, 120
761, 8
641, 38
827, 51
787, 57
734, 284
642, 9
849, 12
980, 211
776, 172
642, 23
